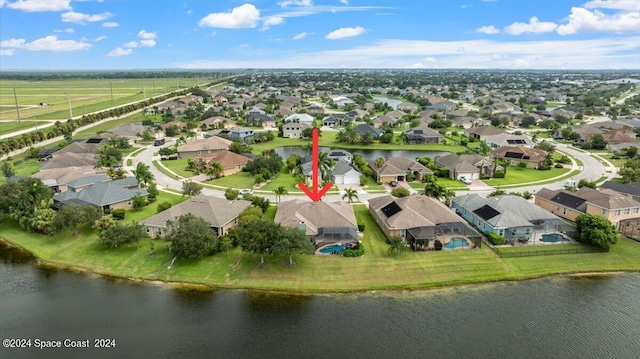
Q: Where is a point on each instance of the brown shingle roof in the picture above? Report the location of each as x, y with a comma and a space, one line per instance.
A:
214, 143
227, 159
315, 215
217, 211
417, 211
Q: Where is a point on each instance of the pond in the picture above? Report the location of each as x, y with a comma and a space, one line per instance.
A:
390, 101
574, 317
368, 155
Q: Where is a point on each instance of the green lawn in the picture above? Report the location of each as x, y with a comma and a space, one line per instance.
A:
179, 166
240, 180
151, 209
23, 167
517, 175
376, 270
371, 185
8, 127
619, 162
163, 170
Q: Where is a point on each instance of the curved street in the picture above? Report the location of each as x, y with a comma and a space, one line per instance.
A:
592, 170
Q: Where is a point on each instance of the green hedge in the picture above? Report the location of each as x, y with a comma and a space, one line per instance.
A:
496, 239
118, 213
354, 252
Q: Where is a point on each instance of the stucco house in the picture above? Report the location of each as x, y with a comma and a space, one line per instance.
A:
231, 162
243, 134
58, 178
324, 222
397, 168
203, 146
482, 132
101, 191
514, 155
344, 173
293, 129
422, 134
468, 166
507, 139
419, 220
299, 118
221, 213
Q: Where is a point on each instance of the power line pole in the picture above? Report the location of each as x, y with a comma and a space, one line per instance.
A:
15, 97
111, 88
69, 102
144, 90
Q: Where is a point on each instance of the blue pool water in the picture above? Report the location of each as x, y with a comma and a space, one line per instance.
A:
456, 242
334, 248
555, 237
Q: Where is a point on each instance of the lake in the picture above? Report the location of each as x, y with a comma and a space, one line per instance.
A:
389, 101
368, 155
577, 317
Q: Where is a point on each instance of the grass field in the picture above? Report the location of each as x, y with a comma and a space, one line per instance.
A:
12, 126
179, 166
517, 175
152, 208
378, 269
85, 95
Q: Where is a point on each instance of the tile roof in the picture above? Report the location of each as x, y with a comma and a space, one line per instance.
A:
217, 211
212, 143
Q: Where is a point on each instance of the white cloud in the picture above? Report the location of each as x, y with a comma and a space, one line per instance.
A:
67, 30
271, 21
488, 30
146, 35
99, 38
148, 43
48, 43
243, 16
346, 2
521, 64
286, 3
301, 35
118, 51
80, 18
2, 2
40, 5
534, 26
7, 52
110, 24
343, 32
12, 43
131, 44
629, 5
583, 20
619, 52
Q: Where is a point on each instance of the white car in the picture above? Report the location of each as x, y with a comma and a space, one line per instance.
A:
246, 191
465, 180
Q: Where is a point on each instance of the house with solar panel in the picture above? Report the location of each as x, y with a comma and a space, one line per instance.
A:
511, 217
422, 134
421, 221
514, 155
508, 139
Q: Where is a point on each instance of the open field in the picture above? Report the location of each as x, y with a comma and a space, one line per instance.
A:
378, 269
12, 126
85, 95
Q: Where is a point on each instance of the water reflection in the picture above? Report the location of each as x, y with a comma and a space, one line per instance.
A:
262, 301
14, 255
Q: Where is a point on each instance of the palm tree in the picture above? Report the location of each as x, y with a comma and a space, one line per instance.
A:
324, 164
279, 192
379, 162
350, 194
214, 170
397, 244
143, 174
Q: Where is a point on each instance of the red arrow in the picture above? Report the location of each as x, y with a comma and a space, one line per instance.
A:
315, 193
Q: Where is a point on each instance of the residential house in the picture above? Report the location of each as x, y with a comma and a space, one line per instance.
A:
396, 169
631, 189
82, 148
443, 106
256, 116
468, 166
101, 191
222, 214
419, 220
315, 110
357, 113
511, 217
343, 173
243, 134
507, 139
337, 119
423, 134
70, 160
363, 128
482, 132
621, 210
585, 132
324, 222
294, 130
514, 155
299, 118
380, 121
129, 130
231, 162
407, 107
614, 137
58, 178
201, 147
218, 122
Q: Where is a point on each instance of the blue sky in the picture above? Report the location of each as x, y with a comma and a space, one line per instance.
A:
141, 34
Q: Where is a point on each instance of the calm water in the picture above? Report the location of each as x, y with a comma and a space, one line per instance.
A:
368, 155
390, 101
549, 318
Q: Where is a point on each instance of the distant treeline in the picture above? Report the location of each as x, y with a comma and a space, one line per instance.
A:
75, 75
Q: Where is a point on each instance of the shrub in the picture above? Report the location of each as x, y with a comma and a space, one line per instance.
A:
163, 206
400, 192
496, 239
522, 164
357, 252
118, 213
498, 174
558, 165
231, 194
361, 227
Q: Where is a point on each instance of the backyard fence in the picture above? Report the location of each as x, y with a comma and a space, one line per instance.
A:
532, 252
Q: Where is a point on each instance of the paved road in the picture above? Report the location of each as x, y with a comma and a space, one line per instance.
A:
592, 170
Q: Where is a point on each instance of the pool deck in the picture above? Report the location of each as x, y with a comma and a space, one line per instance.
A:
446, 239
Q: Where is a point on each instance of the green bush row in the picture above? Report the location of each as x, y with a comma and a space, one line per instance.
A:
354, 252
496, 239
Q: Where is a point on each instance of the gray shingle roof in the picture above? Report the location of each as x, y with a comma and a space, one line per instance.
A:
217, 211
102, 193
315, 215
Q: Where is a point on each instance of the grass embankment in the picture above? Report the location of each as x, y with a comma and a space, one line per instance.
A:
516, 175
376, 270
8, 127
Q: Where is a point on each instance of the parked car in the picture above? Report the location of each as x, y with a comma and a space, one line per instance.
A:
246, 191
393, 184
465, 180
159, 142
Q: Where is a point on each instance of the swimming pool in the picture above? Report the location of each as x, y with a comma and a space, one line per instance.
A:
555, 237
456, 242
334, 249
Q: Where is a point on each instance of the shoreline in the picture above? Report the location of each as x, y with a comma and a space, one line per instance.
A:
193, 286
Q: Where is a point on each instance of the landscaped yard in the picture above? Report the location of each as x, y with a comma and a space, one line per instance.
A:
179, 166
240, 180
517, 175
151, 209
376, 270
23, 167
